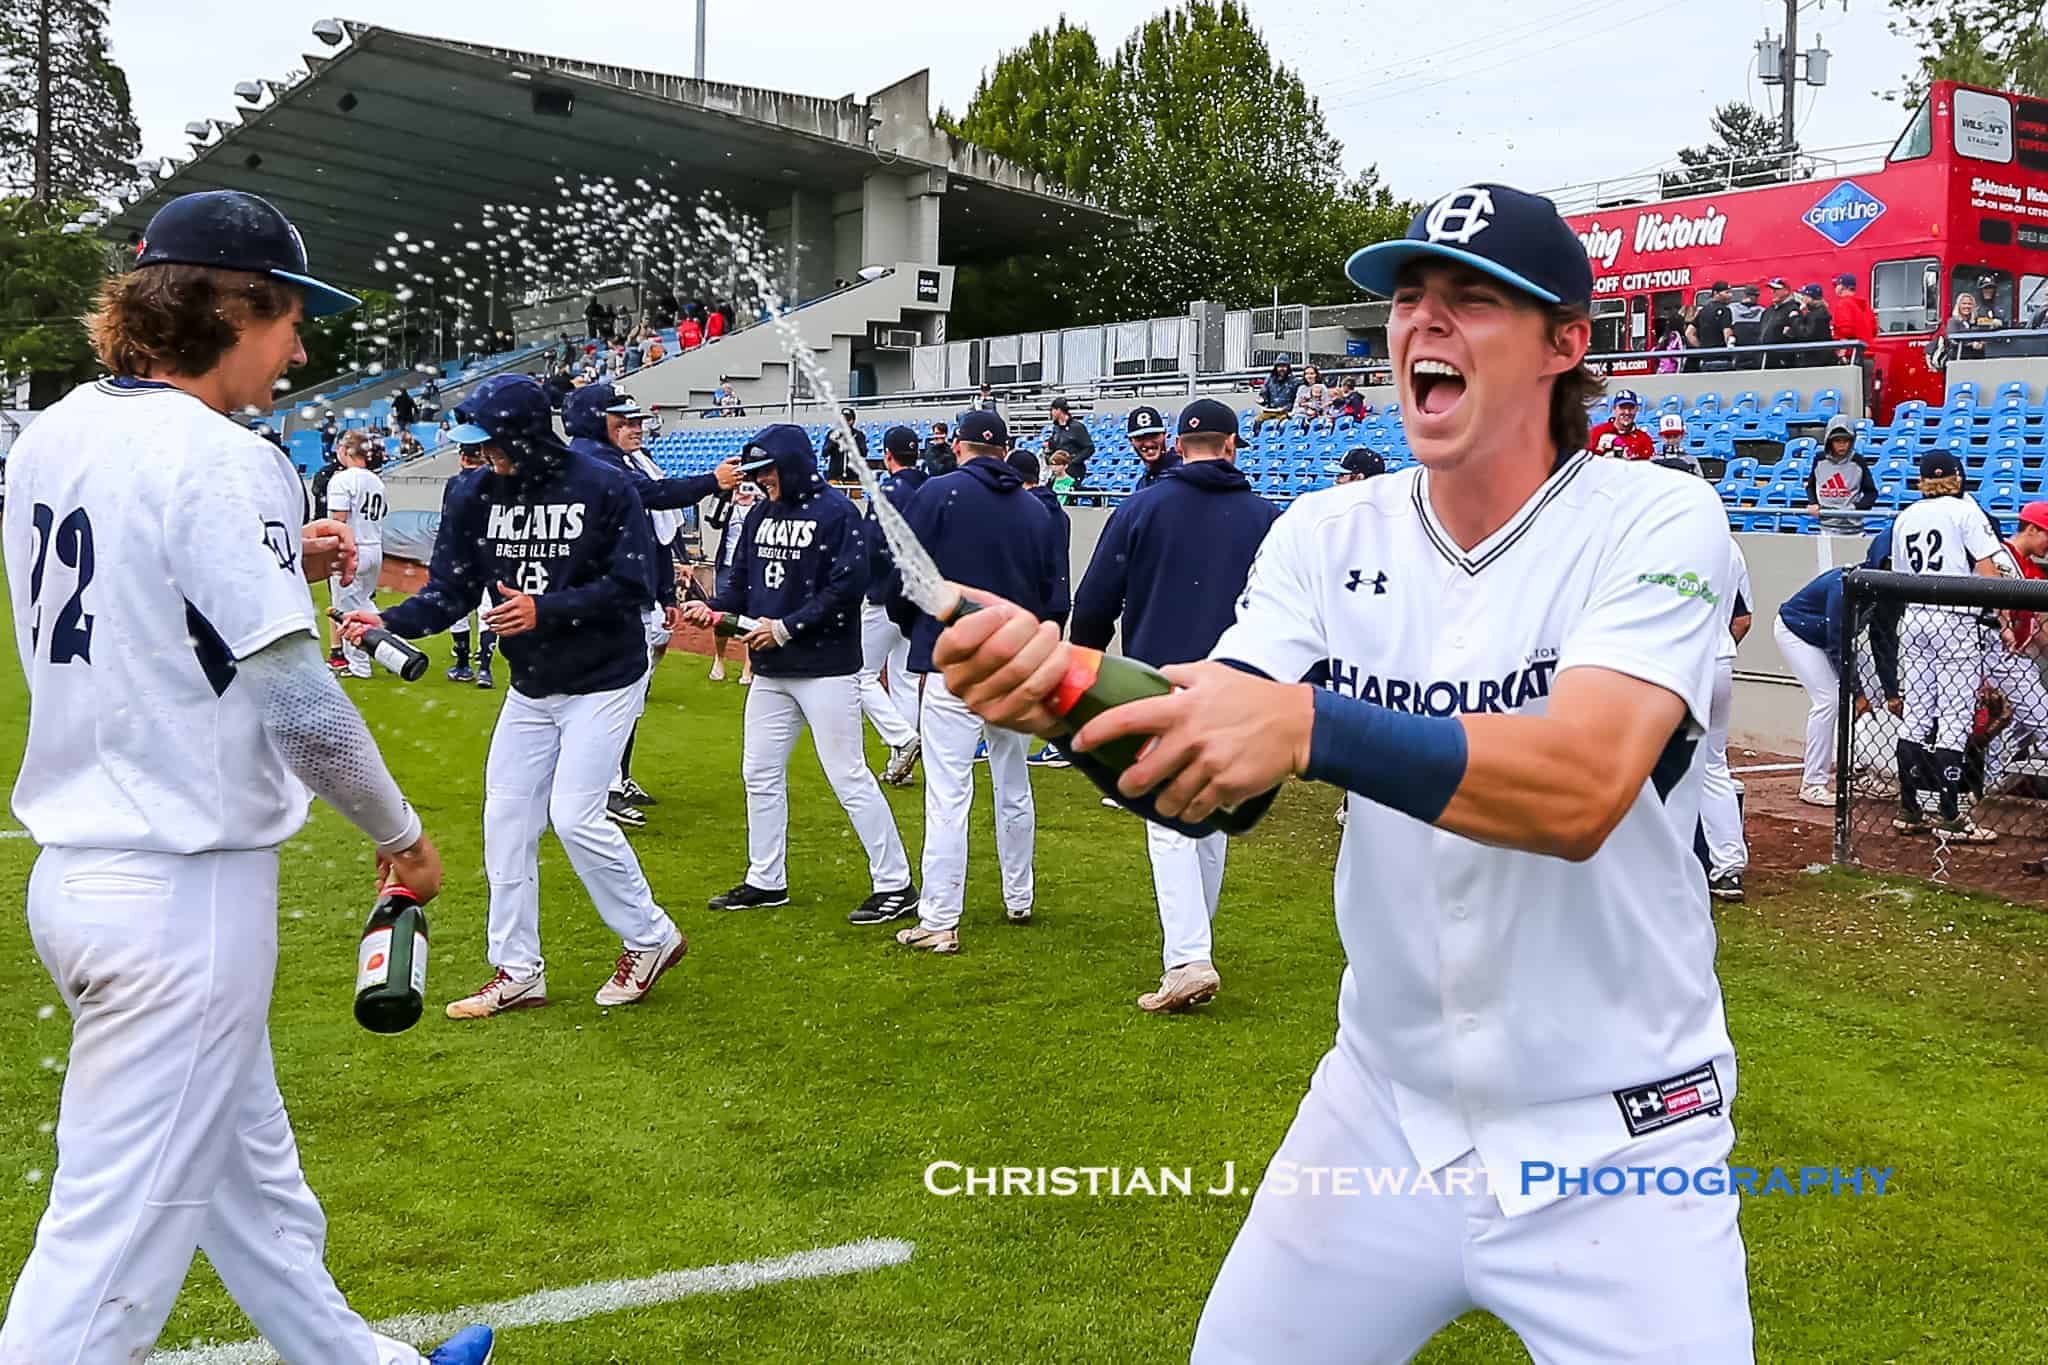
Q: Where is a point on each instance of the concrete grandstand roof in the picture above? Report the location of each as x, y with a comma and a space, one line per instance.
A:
400, 131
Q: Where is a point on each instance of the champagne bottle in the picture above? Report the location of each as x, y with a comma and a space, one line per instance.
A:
387, 649
391, 964
732, 625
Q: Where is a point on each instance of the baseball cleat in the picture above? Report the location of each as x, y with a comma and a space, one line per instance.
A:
1017, 914
503, 992
1964, 830
637, 971
470, 1346
1725, 887
620, 811
1817, 796
459, 673
884, 906
337, 663
747, 896
483, 678
637, 795
1906, 824
930, 940
902, 760
1048, 756
1191, 983
981, 751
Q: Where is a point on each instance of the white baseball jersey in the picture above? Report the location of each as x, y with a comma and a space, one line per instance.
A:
360, 493
1524, 1006
1738, 598
150, 543
1941, 536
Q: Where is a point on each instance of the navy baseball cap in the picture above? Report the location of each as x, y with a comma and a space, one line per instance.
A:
901, 440
1812, 291
772, 443
978, 426
1628, 396
231, 230
1847, 280
1144, 422
1358, 460
506, 407
1510, 234
623, 405
1940, 464
1207, 417
1025, 463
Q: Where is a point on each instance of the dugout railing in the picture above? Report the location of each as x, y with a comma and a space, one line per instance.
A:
1924, 660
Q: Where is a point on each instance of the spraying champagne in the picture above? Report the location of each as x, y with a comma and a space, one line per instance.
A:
387, 649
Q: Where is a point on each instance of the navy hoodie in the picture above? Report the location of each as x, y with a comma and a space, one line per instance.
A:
1172, 561
802, 560
984, 530
1167, 462
898, 488
583, 419
575, 537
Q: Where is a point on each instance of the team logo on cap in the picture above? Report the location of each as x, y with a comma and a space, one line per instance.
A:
1459, 217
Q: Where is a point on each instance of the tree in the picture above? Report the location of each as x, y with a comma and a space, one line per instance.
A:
47, 282
1995, 43
1746, 150
1042, 106
66, 128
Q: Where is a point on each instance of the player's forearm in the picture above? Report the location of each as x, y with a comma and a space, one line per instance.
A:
322, 739
657, 495
429, 611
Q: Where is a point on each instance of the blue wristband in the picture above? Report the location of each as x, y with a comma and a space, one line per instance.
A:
1412, 764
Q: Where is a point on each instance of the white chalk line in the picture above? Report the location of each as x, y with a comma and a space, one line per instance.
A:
1769, 768
592, 1300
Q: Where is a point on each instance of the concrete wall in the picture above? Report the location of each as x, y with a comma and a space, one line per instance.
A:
1989, 374
1766, 382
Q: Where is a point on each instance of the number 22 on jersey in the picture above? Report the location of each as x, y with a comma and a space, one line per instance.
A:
70, 634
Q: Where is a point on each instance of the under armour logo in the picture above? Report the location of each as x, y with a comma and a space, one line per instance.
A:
1358, 579
1639, 1105
1460, 217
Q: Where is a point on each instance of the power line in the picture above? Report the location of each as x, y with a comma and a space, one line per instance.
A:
1429, 64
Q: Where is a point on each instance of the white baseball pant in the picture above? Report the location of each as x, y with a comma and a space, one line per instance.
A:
1187, 880
1360, 1274
1720, 812
552, 761
654, 625
1817, 674
2019, 678
878, 639
905, 687
1941, 655
951, 733
777, 711
172, 1134
360, 594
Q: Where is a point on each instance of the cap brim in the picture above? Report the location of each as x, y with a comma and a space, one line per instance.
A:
626, 410
1376, 267
468, 434
322, 299
756, 465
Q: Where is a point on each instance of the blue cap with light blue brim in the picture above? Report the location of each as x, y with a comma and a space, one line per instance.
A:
1509, 234
468, 434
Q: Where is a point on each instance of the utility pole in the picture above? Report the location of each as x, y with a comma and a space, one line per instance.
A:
45, 134
1788, 72
700, 39
1779, 62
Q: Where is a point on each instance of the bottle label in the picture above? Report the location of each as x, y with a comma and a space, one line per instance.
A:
1084, 666
373, 961
419, 963
391, 656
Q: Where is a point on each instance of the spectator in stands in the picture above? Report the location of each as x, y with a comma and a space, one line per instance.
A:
1070, 436
655, 352
633, 353
1961, 323
938, 452
689, 334
1746, 316
1312, 399
728, 400
615, 360
1987, 304
447, 425
1713, 326
1146, 430
1619, 435
566, 350
1063, 481
330, 431
1814, 323
714, 325
987, 401
1671, 443
1349, 401
1670, 343
593, 319
2039, 321
430, 400
1276, 394
409, 446
1841, 480
1777, 326
1855, 322
1358, 465
838, 460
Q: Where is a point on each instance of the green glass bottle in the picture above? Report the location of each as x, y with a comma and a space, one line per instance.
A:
391, 964
732, 625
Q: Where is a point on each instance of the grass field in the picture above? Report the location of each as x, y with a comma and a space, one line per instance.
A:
787, 1086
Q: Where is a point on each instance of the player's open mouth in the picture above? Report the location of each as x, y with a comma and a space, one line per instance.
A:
1437, 385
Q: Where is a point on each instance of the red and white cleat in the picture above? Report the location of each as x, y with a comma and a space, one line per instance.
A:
637, 971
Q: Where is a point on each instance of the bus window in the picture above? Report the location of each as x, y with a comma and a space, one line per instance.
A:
1906, 295
1610, 317
1993, 289
1918, 139
1639, 338
1667, 313
2033, 302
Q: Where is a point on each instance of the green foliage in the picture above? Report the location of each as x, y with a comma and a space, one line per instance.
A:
88, 144
1196, 131
47, 282
1995, 43
1746, 150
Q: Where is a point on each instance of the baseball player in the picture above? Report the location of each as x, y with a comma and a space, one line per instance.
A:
882, 643
469, 460
1358, 465
355, 497
1720, 810
1171, 562
1808, 632
1147, 432
2011, 665
1945, 533
1520, 641
606, 425
559, 543
982, 528
799, 574
1619, 435
178, 714
1025, 462
727, 518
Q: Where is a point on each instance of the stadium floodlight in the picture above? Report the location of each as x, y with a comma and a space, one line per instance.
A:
249, 92
330, 32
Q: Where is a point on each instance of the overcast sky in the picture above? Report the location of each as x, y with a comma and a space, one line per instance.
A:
1537, 93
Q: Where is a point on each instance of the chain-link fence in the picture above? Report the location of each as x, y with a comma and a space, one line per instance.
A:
1942, 731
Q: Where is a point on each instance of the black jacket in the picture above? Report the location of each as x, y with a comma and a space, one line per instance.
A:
1072, 438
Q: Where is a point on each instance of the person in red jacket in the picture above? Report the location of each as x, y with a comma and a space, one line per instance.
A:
689, 336
1619, 435
714, 325
1855, 322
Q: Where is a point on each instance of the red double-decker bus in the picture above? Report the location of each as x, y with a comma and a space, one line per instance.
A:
1958, 203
